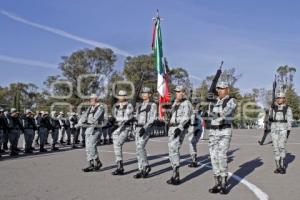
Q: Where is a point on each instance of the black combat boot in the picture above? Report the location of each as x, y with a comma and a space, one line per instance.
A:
98, 164
42, 149
90, 167
282, 166
54, 148
13, 152
194, 162
216, 188
120, 169
28, 150
277, 170
146, 171
139, 174
224, 189
175, 179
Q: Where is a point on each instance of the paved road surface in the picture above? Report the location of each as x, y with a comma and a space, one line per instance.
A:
58, 176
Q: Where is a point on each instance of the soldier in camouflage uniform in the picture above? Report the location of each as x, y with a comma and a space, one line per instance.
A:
179, 123
281, 118
220, 136
195, 132
93, 119
145, 116
122, 112
29, 129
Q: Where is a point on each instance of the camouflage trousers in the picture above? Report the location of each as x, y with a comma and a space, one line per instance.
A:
219, 143
91, 140
119, 138
43, 135
279, 141
174, 145
193, 137
141, 152
28, 137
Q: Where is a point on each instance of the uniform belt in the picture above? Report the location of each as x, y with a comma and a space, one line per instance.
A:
139, 125
172, 125
279, 121
223, 126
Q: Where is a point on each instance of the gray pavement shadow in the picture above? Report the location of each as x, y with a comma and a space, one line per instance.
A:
244, 170
126, 163
289, 158
193, 175
36, 153
162, 162
204, 169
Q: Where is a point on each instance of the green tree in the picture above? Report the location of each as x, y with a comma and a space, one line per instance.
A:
82, 68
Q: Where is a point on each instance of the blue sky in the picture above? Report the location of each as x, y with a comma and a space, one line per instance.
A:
253, 36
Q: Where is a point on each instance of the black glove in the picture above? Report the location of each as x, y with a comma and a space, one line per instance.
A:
177, 132
142, 132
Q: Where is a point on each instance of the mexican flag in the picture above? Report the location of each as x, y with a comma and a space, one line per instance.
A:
162, 76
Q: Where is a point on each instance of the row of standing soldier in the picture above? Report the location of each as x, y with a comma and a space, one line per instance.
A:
36, 129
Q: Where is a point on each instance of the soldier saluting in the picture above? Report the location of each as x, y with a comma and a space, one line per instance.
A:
281, 118
179, 123
145, 116
220, 136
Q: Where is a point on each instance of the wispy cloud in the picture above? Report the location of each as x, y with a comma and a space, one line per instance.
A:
64, 33
22, 61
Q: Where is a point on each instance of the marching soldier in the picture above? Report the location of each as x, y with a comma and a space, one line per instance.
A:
195, 132
281, 118
93, 120
55, 126
145, 116
220, 136
29, 129
122, 112
179, 123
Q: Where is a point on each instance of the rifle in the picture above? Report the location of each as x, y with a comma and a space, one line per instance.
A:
273, 98
138, 90
212, 92
211, 96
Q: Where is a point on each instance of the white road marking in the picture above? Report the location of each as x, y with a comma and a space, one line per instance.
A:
257, 191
